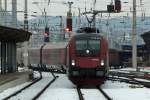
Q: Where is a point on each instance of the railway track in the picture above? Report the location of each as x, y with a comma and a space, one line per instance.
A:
104, 93
129, 80
145, 84
24, 89
80, 93
42, 91
123, 79
81, 97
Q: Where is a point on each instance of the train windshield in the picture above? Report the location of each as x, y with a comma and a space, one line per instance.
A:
81, 44
87, 47
94, 44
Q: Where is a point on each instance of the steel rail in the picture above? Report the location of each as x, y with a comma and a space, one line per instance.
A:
44, 69
145, 84
80, 94
104, 93
42, 91
130, 81
20, 90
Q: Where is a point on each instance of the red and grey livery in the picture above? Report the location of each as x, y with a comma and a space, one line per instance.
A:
87, 59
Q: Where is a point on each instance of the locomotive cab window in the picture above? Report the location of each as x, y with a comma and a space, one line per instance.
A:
87, 47
94, 44
81, 44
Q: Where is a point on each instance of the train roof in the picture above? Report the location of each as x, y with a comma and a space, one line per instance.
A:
88, 30
57, 45
88, 36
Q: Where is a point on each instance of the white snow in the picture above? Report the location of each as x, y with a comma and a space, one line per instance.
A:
143, 80
142, 69
11, 90
26, 94
129, 94
63, 89
92, 94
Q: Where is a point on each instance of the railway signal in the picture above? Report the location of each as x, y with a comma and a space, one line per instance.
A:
110, 8
69, 17
46, 34
67, 30
117, 6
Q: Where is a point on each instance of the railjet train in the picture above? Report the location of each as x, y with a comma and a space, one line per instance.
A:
84, 57
87, 58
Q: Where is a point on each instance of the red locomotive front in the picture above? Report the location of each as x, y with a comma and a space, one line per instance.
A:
87, 59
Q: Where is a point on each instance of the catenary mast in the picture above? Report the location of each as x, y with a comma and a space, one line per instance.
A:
134, 39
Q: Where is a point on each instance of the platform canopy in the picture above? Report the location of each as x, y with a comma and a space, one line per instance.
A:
12, 34
146, 37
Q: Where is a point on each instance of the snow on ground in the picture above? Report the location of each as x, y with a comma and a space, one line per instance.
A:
123, 91
92, 94
142, 69
142, 80
26, 94
63, 89
12, 90
129, 94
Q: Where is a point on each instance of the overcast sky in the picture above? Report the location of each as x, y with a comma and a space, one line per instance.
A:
59, 7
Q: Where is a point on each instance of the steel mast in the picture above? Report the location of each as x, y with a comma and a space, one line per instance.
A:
14, 13
25, 51
5, 23
134, 38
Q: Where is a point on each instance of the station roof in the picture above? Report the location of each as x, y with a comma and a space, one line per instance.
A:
146, 37
12, 34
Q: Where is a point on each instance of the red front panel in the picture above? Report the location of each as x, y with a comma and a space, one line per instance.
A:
87, 62
72, 49
95, 81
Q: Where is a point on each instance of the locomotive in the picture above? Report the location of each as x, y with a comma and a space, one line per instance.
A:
87, 54
84, 56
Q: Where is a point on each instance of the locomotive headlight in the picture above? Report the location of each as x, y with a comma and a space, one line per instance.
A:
73, 62
87, 51
102, 62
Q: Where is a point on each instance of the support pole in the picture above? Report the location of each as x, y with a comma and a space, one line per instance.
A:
69, 17
5, 18
41, 55
41, 58
14, 13
3, 57
134, 39
25, 48
1, 12
61, 24
26, 16
11, 57
79, 16
14, 58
